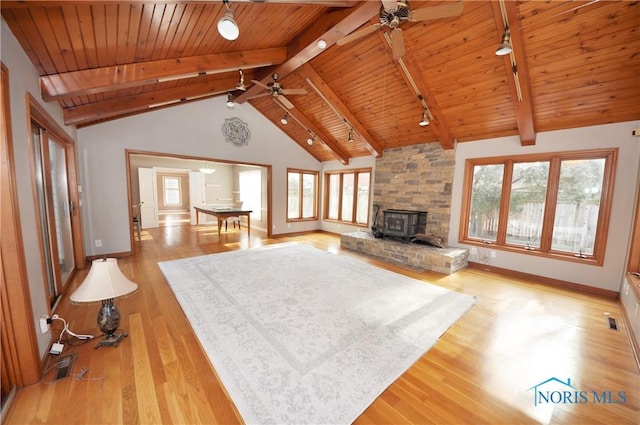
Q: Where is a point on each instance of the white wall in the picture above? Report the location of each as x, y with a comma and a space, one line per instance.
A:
610, 275
193, 129
23, 79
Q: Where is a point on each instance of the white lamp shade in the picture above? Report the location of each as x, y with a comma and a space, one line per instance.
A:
104, 281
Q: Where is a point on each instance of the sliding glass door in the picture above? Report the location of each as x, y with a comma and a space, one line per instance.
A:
56, 210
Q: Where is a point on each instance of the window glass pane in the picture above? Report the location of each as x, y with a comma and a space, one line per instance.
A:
308, 195
334, 195
578, 206
293, 200
526, 206
485, 201
362, 206
347, 196
171, 190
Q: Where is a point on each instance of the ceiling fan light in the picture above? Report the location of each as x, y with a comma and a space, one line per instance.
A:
230, 103
227, 26
505, 45
425, 119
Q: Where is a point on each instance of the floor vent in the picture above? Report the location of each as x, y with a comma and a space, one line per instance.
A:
613, 324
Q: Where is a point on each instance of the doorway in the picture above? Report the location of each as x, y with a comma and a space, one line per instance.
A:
175, 181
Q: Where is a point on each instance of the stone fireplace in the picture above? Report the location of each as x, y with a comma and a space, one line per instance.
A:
403, 224
416, 178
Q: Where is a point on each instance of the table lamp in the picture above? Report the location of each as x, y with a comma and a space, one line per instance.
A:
105, 282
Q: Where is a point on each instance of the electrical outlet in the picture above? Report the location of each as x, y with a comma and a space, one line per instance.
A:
474, 250
98, 243
44, 324
493, 254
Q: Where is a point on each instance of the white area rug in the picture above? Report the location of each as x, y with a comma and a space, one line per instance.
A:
303, 336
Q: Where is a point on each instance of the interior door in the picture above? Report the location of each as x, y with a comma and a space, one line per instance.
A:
148, 187
196, 193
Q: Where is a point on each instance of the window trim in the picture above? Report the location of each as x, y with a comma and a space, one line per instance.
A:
316, 197
555, 159
354, 211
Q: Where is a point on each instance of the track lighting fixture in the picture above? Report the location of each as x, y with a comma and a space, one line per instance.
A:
230, 103
322, 44
284, 120
227, 26
425, 119
310, 140
240, 85
505, 46
350, 139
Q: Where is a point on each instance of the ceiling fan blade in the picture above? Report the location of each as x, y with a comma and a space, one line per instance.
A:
397, 43
446, 10
294, 91
284, 101
357, 34
259, 95
260, 84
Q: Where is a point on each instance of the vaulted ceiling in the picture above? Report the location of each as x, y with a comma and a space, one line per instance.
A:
574, 64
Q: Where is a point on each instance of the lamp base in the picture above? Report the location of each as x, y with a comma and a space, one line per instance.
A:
111, 340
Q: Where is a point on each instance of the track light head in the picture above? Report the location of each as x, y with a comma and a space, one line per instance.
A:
425, 119
284, 120
227, 26
230, 103
350, 139
505, 45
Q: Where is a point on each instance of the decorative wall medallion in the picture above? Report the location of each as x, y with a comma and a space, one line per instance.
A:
235, 131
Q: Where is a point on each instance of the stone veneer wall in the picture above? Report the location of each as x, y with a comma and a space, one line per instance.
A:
417, 177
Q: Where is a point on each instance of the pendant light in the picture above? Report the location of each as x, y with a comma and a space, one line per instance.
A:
227, 26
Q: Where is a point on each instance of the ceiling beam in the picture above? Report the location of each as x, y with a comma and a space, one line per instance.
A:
82, 115
308, 125
330, 27
335, 103
109, 78
516, 66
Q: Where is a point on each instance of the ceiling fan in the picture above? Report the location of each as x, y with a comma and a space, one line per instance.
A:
395, 12
275, 90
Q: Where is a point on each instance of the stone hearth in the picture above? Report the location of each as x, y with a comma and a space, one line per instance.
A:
423, 257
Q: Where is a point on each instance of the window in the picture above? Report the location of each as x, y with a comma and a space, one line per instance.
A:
545, 204
347, 196
171, 190
250, 182
302, 195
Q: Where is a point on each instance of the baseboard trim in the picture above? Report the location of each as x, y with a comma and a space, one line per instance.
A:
557, 283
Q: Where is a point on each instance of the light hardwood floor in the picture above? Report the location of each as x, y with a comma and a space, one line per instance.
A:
517, 335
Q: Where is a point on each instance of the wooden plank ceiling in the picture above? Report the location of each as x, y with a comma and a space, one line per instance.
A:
574, 64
